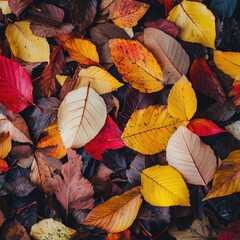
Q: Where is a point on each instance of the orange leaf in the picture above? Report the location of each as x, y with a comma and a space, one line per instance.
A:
127, 13
3, 166
53, 139
136, 65
126, 235
83, 51
204, 127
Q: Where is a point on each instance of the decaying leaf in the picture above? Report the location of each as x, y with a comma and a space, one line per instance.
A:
51, 229
164, 186
81, 116
118, 213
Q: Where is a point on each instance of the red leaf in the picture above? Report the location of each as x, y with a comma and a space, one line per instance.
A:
236, 92
3, 166
165, 25
206, 81
107, 138
15, 85
231, 232
168, 6
204, 127
47, 84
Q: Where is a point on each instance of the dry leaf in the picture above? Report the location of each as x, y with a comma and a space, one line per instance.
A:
234, 129
5, 144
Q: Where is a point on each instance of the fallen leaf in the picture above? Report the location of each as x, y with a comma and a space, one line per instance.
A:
73, 191
226, 180
126, 235
15, 125
3, 166
200, 229
108, 138
81, 116
234, 129
191, 18
235, 92
16, 85
18, 6
182, 101
25, 45
228, 62
136, 65
53, 139
4, 6
194, 159
223, 9
46, 85
2, 218
149, 130
127, 13
83, 51
99, 79
164, 186
5, 144
164, 25
206, 81
170, 55
42, 169
61, 79
116, 214
204, 127
230, 232
51, 229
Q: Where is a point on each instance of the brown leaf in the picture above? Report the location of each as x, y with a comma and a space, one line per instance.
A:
2, 218
112, 103
73, 191
83, 12
14, 230
42, 169
14, 124
47, 85
18, 6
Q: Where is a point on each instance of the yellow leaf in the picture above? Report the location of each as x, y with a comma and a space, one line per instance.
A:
5, 7
81, 116
136, 65
164, 186
53, 139
83, 51
228, 62
149, 130
127, 13
116, 214
61, 79
196, 23
5, 144
49, 229
227, 179
100, 80
182, 101
25, 45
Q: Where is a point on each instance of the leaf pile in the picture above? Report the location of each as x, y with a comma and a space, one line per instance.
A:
119, 119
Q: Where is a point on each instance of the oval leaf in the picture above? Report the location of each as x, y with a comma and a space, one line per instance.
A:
149, 130
83, 51
25, 45
15, 84
164, 186
127, 13
118, 213
5, 144
204, 127
182, 101
196, 23
170, 55
136, 65
99, 79
194, 159
81, 116
228, 62
226, 180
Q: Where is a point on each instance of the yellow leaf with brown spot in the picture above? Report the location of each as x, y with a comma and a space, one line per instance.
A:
5, 144
127, 13
83, 51
117, 213
182, 101
53, 139
136, 65
196, 23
